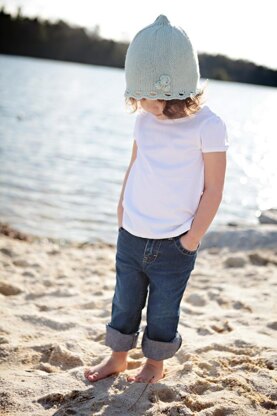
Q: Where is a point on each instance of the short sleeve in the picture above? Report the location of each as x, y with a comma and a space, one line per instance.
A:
214, 136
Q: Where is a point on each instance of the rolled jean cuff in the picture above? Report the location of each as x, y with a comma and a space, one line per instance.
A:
160, 350
118, 341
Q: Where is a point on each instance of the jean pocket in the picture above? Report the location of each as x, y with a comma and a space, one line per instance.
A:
121, 229
183, 249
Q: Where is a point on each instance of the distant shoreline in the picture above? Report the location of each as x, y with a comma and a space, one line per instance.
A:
34, 37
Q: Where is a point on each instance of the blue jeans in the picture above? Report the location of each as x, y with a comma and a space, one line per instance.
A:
162, 267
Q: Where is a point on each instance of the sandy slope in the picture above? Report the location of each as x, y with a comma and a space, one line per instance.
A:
55, 301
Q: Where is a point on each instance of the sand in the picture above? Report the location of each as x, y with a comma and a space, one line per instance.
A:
55, 299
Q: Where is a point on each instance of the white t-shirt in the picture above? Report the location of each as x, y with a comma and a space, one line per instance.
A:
166, 180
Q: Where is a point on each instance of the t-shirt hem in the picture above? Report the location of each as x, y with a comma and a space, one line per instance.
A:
153, 236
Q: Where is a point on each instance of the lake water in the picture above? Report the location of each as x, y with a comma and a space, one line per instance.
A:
66, 139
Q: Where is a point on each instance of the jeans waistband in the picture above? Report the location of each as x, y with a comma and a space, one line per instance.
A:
167, 238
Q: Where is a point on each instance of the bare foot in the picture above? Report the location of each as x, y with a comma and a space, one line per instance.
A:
151, 372
107, 367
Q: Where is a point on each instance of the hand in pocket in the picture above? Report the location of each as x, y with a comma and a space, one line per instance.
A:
188, 244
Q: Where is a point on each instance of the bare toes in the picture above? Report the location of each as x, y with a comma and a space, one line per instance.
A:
138, 379
88, 372
134, 378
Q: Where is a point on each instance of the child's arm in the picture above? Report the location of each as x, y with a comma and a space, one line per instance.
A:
214, 168
120, 207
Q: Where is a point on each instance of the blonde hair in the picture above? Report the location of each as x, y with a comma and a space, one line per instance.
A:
174, 108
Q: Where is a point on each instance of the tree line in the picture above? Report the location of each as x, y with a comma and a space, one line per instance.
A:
21, 35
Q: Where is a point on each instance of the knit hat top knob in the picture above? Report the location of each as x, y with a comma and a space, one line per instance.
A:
161, 63
162, 20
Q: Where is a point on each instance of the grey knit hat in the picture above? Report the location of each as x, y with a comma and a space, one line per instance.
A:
161, 63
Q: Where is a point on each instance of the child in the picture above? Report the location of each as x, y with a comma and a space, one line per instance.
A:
171, 192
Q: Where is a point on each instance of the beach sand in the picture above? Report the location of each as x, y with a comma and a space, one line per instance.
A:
55, 299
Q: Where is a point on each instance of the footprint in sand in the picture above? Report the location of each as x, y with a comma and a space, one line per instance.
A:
203, 280
196, 405
50, 323
223, 301
104, 313
272, 325
52, 399
136, 359
28, 273
195, 300
235, 261
201, 387
245, 363
259, 259
164, 394
212, 369
204, 331
133, 364
228, 303
3, 340
8, 289
100, 337
222, 328
189, 311
183, 356
63, 293
63, 358
8, 252
53, 252
72, 403
88, 305
22, 263
241, 348
213, 294
242, 306
54, 357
